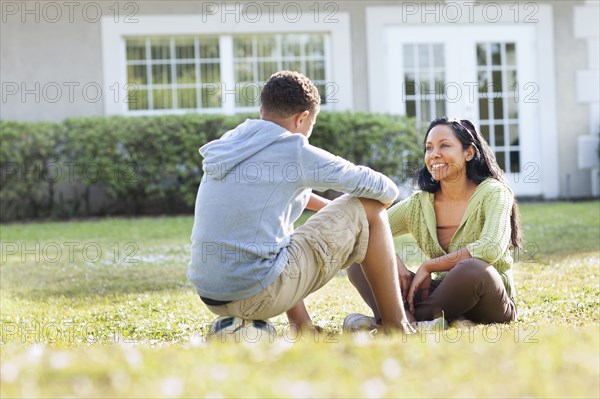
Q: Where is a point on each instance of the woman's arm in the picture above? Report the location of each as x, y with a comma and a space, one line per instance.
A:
316, 203
446, 262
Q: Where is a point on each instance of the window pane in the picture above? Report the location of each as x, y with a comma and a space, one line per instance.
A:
410, 84
209, 48
210, 73
424, 86
137, 99
243, 72
438, 55
481, 54
291, 45
409, 55
242, 47
513, 134
423, 56
247, 95
292, 65
161, 74
411, 108
210, 97
186, 98
162, 98
499, 135
186, 73
513, 108
265, 70
485, 132
425, 111
497, 81
483, 78
500, 159
160, 49
440, 108
184, 48
483, 108
136, 49
315, 46
315, 70
266, 46
322, 92
510, 54
515, 166
511, 81
439, 83
498, 108
496, 54
137, 74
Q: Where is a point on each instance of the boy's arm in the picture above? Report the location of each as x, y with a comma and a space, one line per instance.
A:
324, 171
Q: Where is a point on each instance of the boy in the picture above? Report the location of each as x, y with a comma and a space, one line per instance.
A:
246, 259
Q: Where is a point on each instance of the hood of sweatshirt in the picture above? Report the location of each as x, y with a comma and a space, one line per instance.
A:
237, 145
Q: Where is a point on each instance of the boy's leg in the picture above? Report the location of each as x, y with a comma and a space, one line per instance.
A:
380, 268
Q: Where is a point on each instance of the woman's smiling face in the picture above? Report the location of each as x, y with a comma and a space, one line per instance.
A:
445, 157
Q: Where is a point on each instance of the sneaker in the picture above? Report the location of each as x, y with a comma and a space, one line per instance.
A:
436, 324
229, 328
359, 322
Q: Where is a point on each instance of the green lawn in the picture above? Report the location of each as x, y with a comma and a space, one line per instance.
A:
103, 309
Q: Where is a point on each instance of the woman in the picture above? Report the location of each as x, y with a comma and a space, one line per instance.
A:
466, 220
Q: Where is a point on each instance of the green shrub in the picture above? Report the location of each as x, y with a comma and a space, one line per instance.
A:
29, 168
150, 165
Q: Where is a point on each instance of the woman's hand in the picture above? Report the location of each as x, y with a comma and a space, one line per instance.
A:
422, 281
405, 278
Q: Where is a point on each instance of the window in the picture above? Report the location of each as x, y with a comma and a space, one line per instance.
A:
424, 81
258, 57
173, 73
185, 72
498, 103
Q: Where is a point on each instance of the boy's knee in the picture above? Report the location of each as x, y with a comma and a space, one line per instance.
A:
373, 208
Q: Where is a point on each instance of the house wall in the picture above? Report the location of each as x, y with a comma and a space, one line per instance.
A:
52, 65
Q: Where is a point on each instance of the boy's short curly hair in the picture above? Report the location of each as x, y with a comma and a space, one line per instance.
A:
287, 92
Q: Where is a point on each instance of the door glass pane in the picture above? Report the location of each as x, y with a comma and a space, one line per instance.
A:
424, 81
500, 159
485, 132
514, 162
499, 135
481, 54
497, 60
495, 49
511, 57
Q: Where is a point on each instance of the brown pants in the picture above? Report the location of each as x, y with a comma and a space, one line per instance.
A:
473, 289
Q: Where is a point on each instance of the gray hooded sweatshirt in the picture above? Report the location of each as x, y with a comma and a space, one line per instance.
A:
257, 181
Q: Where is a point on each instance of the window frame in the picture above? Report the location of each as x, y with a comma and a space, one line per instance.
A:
337, 47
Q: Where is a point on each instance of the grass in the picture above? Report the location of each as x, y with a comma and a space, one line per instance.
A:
102, 308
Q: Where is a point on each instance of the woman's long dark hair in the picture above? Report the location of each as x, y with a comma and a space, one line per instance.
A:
482, 166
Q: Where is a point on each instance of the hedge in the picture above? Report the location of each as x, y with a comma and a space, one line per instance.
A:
117, 165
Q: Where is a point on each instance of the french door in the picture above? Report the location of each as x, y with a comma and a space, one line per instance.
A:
484, 74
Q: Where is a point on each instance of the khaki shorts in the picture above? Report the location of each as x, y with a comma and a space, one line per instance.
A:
331, 240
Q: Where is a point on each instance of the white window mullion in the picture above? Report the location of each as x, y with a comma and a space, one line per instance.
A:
149, 74
174, 102
227, 74
198, 83
329, 74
